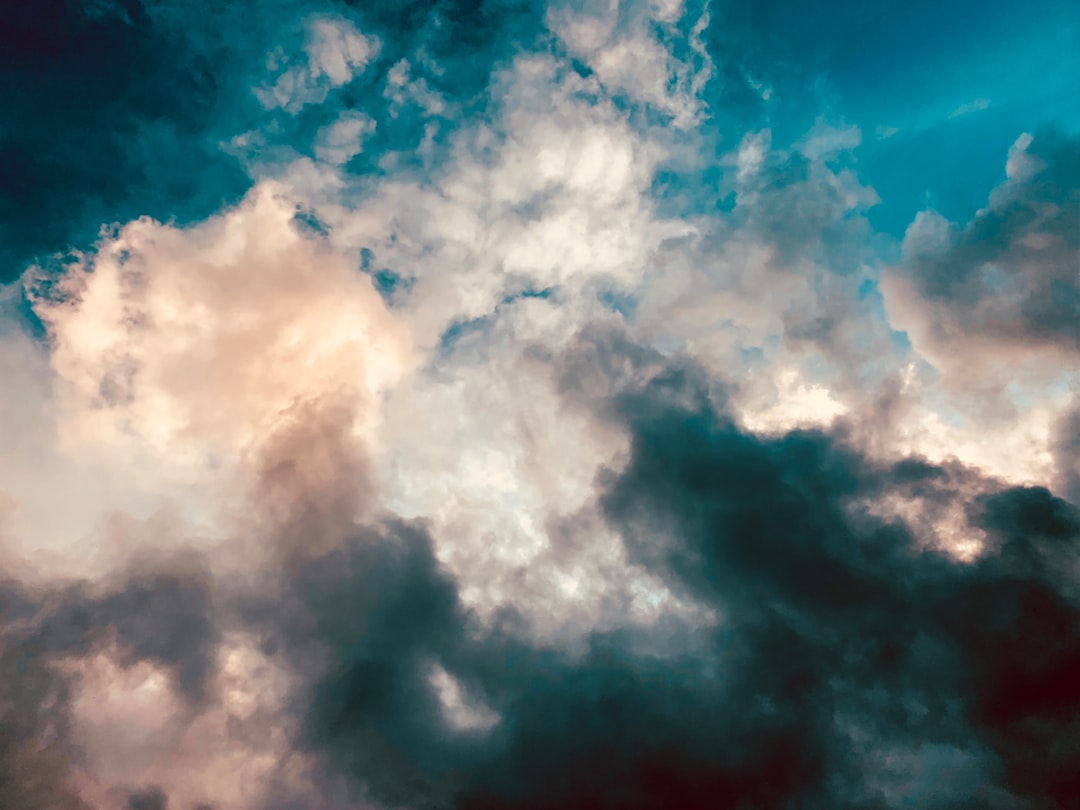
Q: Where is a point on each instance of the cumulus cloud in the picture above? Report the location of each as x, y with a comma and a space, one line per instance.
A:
999, 291
196, 344
987, 305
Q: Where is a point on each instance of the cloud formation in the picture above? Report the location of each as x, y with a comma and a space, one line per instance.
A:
492, 406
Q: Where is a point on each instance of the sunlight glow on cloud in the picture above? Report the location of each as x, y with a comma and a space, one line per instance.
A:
192, 345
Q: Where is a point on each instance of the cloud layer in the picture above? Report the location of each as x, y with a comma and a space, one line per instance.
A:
494, 406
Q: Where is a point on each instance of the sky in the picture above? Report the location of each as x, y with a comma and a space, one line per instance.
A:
498, 405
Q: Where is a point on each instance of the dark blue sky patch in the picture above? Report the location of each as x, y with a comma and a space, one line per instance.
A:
625, 305
459, 330
389, 284
308, 223
122, 112
105, 120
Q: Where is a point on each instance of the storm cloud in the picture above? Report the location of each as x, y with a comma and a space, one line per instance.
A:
850, 663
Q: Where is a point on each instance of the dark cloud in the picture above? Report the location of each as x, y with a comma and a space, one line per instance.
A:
385, 611
841, 617
164, 618
151, 798
852, 665
35, 753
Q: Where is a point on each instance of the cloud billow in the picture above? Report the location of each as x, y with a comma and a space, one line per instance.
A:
507, 406
1004, 285
848, 660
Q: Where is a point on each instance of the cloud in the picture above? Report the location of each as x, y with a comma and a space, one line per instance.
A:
50, 634
195, 345
859, 659
629, 49
978, 105
342, 140
334, 51
536, 413
997, 293
149, 799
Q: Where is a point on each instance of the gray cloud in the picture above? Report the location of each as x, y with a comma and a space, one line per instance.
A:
849, 659
151, 798
1002, 289
35, 756
45, 633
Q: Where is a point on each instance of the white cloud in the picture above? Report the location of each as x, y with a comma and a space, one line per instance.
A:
973, 106
824, 142
342, 140
181, 356
751, 153
402, 89
797, 404
620, 44
334, 52
1021, 165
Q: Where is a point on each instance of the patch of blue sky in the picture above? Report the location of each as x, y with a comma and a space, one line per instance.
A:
871, 301
107, 117
625, 305
471, 328
939, 90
